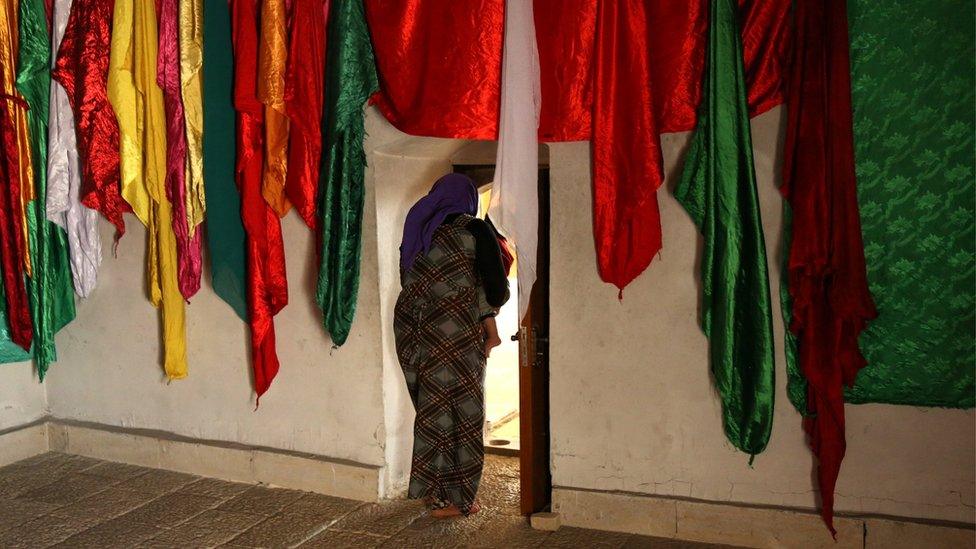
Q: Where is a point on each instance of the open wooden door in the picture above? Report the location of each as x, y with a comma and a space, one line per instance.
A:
535, 476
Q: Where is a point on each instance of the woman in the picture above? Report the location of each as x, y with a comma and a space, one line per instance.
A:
453, 281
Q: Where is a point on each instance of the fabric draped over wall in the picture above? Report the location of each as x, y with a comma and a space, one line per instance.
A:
191, 82
570, 47
64, 205
188, 241
718, 189
827, 283
15, 175
226, 242
914, 145
49, 284
267, 286
304, 100
139, 107
82, 70
272, 64
350, 81
514, 206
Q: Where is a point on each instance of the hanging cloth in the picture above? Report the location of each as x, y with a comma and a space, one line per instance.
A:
304, 96
718, 189
831, 303
49, 286
515, 189
139, 105
350, 81
17, 179
272, 64
191, 81
917, 201
64, 205
267, 287
189, 242
82, 70
225, 230
582, 88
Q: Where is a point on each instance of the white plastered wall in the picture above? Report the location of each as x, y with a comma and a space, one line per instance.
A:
22, 398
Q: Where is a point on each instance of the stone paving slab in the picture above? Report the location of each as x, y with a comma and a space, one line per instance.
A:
58, 500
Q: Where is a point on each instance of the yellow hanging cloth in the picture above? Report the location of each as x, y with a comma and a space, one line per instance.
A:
191, 77
138, 104
272, 63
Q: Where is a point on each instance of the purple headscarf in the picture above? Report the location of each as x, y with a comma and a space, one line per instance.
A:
452, 194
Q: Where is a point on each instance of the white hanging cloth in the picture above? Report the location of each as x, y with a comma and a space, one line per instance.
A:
63, 204
514, 208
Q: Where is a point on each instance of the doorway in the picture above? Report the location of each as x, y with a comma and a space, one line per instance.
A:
517, 376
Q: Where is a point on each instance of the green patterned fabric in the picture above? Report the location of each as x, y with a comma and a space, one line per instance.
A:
49, 287
350, 80
912, 66
718, 189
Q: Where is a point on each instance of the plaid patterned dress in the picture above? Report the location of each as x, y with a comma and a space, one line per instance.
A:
440, 344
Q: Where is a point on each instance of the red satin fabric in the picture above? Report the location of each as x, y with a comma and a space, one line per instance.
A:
82, 69
627, 164
827, 276
585, 91
304, 97
440, 65
267, 287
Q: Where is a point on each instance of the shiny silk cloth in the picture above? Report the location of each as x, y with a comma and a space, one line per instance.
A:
272, 64
82, 70
350, 80
225, 231
191, 81
718, 189
826, 273
64, 205
582, 96
49, 285
139, 105
267, 287
189, 242
304, 96
16, 175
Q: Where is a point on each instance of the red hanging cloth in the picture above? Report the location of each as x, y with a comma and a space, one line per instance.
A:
82, 69
440, 72
827, 276
267, 287
304, 97
440, 65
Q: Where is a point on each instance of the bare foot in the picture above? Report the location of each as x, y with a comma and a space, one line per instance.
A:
452, 511
446, 512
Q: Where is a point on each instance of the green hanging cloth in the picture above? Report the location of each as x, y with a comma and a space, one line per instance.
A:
914, 91
350, 81
718, 189
49, 286
225, 231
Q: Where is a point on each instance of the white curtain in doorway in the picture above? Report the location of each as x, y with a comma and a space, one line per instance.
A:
514, 205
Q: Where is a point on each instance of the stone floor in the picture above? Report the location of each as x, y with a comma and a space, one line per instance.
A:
58, 500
